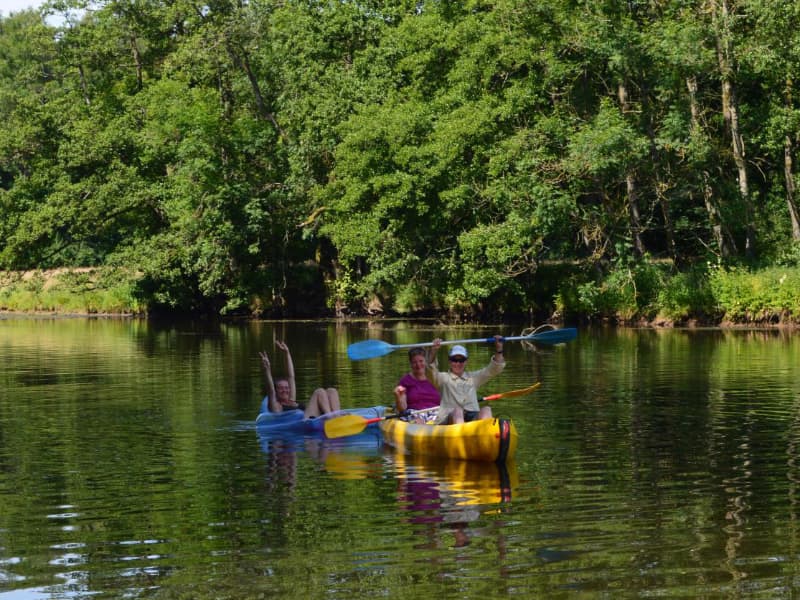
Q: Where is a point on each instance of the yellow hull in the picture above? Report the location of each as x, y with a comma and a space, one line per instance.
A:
487, 440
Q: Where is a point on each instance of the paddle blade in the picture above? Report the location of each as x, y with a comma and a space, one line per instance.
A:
345, 425
368, 349
513, 393
554, 336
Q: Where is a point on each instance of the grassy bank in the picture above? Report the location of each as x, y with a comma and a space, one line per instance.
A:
70, 291
649, 293
712, 295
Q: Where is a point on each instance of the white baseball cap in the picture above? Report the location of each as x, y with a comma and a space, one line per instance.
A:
458, 350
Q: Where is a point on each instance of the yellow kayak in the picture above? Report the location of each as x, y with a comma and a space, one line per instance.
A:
487, 440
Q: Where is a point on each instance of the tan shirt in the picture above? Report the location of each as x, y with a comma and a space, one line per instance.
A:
461, 391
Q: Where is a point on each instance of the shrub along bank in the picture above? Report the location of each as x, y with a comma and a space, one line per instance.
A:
645, 293
712, 295
71, 291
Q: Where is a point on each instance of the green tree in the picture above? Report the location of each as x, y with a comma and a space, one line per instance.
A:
773, 54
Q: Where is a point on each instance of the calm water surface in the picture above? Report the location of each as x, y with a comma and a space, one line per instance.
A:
651, 464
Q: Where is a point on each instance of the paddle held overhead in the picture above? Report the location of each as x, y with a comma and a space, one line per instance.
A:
376, 348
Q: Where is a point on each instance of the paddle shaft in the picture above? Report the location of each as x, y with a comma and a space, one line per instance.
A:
375, 348
512, 393
488, 340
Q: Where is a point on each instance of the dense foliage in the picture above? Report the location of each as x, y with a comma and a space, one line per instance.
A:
282, 157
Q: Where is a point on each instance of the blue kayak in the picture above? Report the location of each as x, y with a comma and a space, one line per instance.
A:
292, 421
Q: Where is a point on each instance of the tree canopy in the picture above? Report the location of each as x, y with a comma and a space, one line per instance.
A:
283, 157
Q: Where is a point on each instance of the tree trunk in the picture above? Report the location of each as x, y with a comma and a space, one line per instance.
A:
788, 170
715, 220
239, 57
633, 212
730, 112
666, 213
788, 163
660, 187
630, 185
137, 60
243, 62
84, 85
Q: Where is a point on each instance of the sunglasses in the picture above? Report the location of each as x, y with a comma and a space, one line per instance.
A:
458, 359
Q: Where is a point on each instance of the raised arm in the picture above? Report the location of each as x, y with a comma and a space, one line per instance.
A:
496, 364
274, 405
289, 370
430, 357
498, 350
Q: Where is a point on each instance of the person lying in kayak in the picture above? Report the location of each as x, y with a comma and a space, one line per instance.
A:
459, 387
282, 393
414, 391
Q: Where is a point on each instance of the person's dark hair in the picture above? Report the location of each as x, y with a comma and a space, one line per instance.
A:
415, 352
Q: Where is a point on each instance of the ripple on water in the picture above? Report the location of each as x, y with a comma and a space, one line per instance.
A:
650, 464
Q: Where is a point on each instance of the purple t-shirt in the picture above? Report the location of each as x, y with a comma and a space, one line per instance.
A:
420, 394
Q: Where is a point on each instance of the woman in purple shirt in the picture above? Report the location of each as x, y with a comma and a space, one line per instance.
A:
415, 391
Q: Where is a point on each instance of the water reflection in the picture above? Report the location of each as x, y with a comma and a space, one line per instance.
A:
450, 504
370, 439
661, 463
350, 457
438, 498
462, 483
446, 496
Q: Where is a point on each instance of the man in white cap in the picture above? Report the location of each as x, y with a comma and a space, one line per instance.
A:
459, 387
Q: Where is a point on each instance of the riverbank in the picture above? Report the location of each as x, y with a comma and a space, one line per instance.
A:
649, 296
70, 291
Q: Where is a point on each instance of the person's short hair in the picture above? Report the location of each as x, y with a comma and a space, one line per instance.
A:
416, 352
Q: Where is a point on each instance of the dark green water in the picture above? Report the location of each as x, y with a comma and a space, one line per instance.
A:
651, 463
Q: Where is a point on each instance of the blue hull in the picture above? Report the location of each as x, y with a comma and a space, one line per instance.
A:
292, 421
289, 431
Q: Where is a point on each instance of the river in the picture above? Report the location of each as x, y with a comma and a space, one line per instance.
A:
651, 463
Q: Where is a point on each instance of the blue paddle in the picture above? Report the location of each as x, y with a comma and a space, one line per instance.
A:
376, 348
